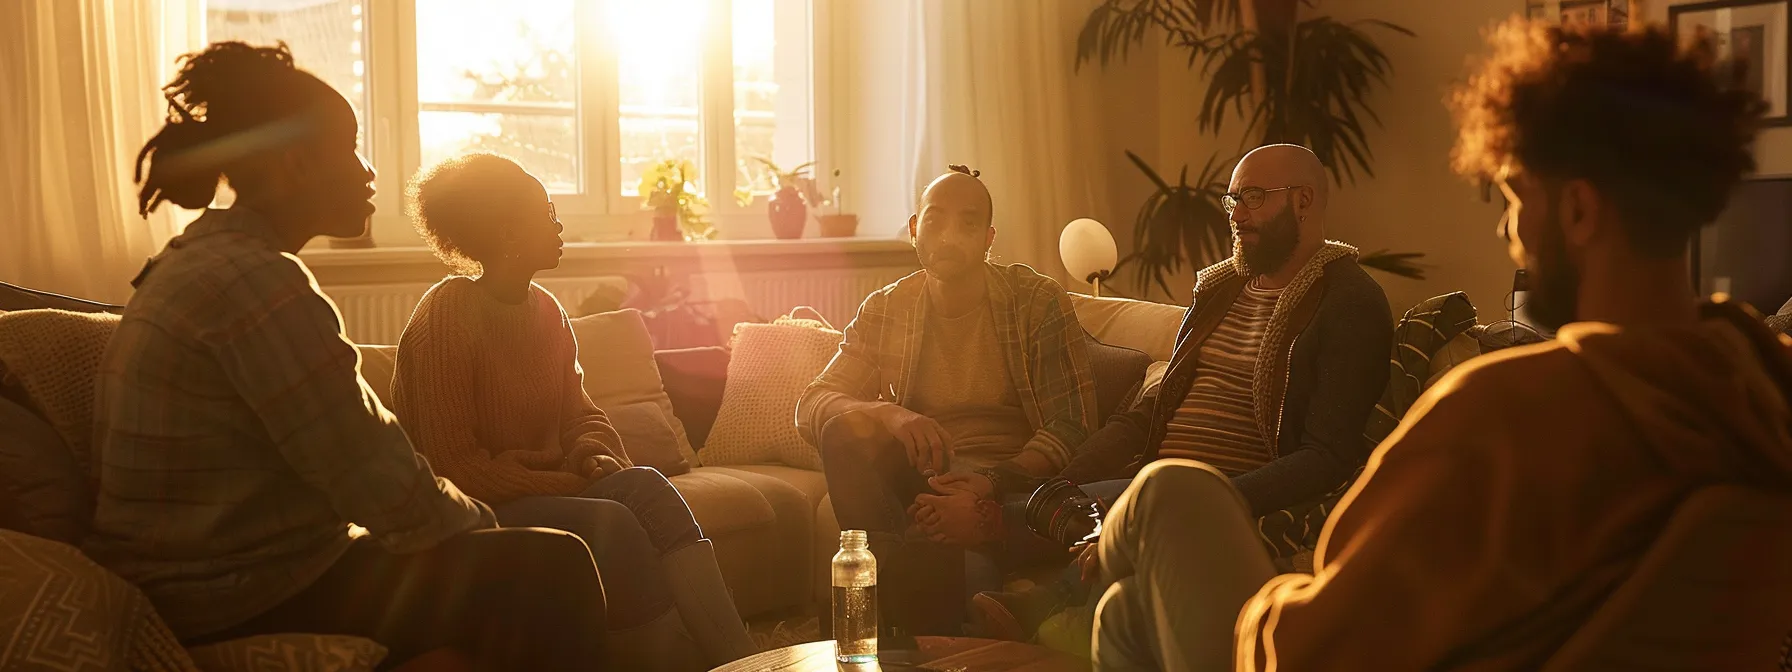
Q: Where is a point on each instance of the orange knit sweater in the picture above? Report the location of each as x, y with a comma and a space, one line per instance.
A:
493, 395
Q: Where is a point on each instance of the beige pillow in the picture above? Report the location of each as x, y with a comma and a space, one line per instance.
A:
648, 437
60, 611
290, 653
616, 353
770, 367
54, 356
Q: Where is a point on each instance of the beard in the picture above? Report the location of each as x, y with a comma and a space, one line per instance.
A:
944, 260
1276, 240
1554, 296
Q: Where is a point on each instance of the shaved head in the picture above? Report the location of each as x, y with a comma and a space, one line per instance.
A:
1284, 165
1282, 194
954, 225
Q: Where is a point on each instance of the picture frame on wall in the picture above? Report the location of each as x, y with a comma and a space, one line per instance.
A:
1615, 13
1756, 31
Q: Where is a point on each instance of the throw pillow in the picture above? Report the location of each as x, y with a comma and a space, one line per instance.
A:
290, 653
771, 366
616, 353
647, 436
46, 493
55, 356
60, 611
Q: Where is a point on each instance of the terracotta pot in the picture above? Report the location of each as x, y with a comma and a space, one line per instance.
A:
838, 226
665, 228
788, 213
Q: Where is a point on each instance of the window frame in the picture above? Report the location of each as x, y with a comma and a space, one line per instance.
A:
600, 211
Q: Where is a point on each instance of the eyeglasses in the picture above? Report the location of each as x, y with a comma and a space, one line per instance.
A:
1250, 197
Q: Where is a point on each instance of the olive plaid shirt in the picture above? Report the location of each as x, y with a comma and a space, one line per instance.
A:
1047, 353
237, 440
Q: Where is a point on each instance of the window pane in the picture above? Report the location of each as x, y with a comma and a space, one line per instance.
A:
771, 88
659, 67
545, 145
492, 51
755, 93
327, 38
500, 77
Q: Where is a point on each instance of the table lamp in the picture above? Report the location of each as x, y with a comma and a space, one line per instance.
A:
1088, 251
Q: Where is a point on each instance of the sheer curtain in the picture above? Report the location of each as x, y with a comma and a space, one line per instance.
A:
81, 82
992, 85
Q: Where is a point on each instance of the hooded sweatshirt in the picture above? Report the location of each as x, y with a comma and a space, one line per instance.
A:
1521, 490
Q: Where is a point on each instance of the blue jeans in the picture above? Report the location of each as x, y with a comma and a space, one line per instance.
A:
629, 519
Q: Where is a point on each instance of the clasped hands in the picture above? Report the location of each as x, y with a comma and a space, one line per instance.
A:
959, 511
590, 460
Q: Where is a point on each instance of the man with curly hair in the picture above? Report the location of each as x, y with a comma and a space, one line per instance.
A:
1525, 486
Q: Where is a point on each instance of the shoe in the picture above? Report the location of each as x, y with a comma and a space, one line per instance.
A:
1013, 617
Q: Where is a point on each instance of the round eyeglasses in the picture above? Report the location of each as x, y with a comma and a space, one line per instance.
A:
1250, 197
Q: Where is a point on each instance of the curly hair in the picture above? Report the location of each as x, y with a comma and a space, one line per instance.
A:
456, 205
226, 90
1662, 130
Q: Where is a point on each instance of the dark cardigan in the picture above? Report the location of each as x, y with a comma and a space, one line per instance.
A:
1337, 370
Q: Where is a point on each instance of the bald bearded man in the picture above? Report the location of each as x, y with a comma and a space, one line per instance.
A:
965, 367
1280, 360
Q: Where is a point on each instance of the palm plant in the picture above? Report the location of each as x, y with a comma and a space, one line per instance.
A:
1290, 79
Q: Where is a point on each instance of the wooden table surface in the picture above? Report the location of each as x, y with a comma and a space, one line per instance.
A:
937, 654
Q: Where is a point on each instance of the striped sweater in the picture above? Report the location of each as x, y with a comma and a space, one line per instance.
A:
1216, 422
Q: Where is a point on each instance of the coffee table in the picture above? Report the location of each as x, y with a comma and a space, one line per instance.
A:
937, 654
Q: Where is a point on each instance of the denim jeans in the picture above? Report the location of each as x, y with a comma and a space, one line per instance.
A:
630, 519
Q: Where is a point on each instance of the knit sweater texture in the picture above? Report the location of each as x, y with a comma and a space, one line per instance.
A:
493, 395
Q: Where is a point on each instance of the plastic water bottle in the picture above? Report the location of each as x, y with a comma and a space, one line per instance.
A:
855, 600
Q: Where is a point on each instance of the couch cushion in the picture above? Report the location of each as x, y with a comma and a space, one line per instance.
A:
722, 502
771, 366
694, 380
616, 353
42, 490
647, 435
811, 483
60, 611
1141, 325
14, 297
54, 355
290, 653
1118, 373
761, 526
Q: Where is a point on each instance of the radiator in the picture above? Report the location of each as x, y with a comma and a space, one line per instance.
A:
376, 314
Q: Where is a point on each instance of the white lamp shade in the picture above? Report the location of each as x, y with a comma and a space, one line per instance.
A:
1087, 249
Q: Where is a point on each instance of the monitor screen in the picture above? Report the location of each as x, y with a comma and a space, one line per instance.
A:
1747, 252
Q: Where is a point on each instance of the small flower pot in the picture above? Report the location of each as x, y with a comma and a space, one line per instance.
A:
838, 226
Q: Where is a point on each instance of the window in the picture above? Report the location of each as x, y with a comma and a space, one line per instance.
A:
584, 93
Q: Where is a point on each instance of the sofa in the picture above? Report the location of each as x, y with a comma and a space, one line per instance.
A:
772, 524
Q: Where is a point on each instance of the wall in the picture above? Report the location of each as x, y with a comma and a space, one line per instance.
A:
1773, 148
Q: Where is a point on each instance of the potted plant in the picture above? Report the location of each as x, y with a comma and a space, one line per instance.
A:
786, 208
679, 213
836, 224
1291, 78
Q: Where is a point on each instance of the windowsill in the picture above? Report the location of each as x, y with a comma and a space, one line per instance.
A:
382, 265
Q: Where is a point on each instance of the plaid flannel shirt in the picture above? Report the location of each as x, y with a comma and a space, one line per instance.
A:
237, 440
1046, 347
